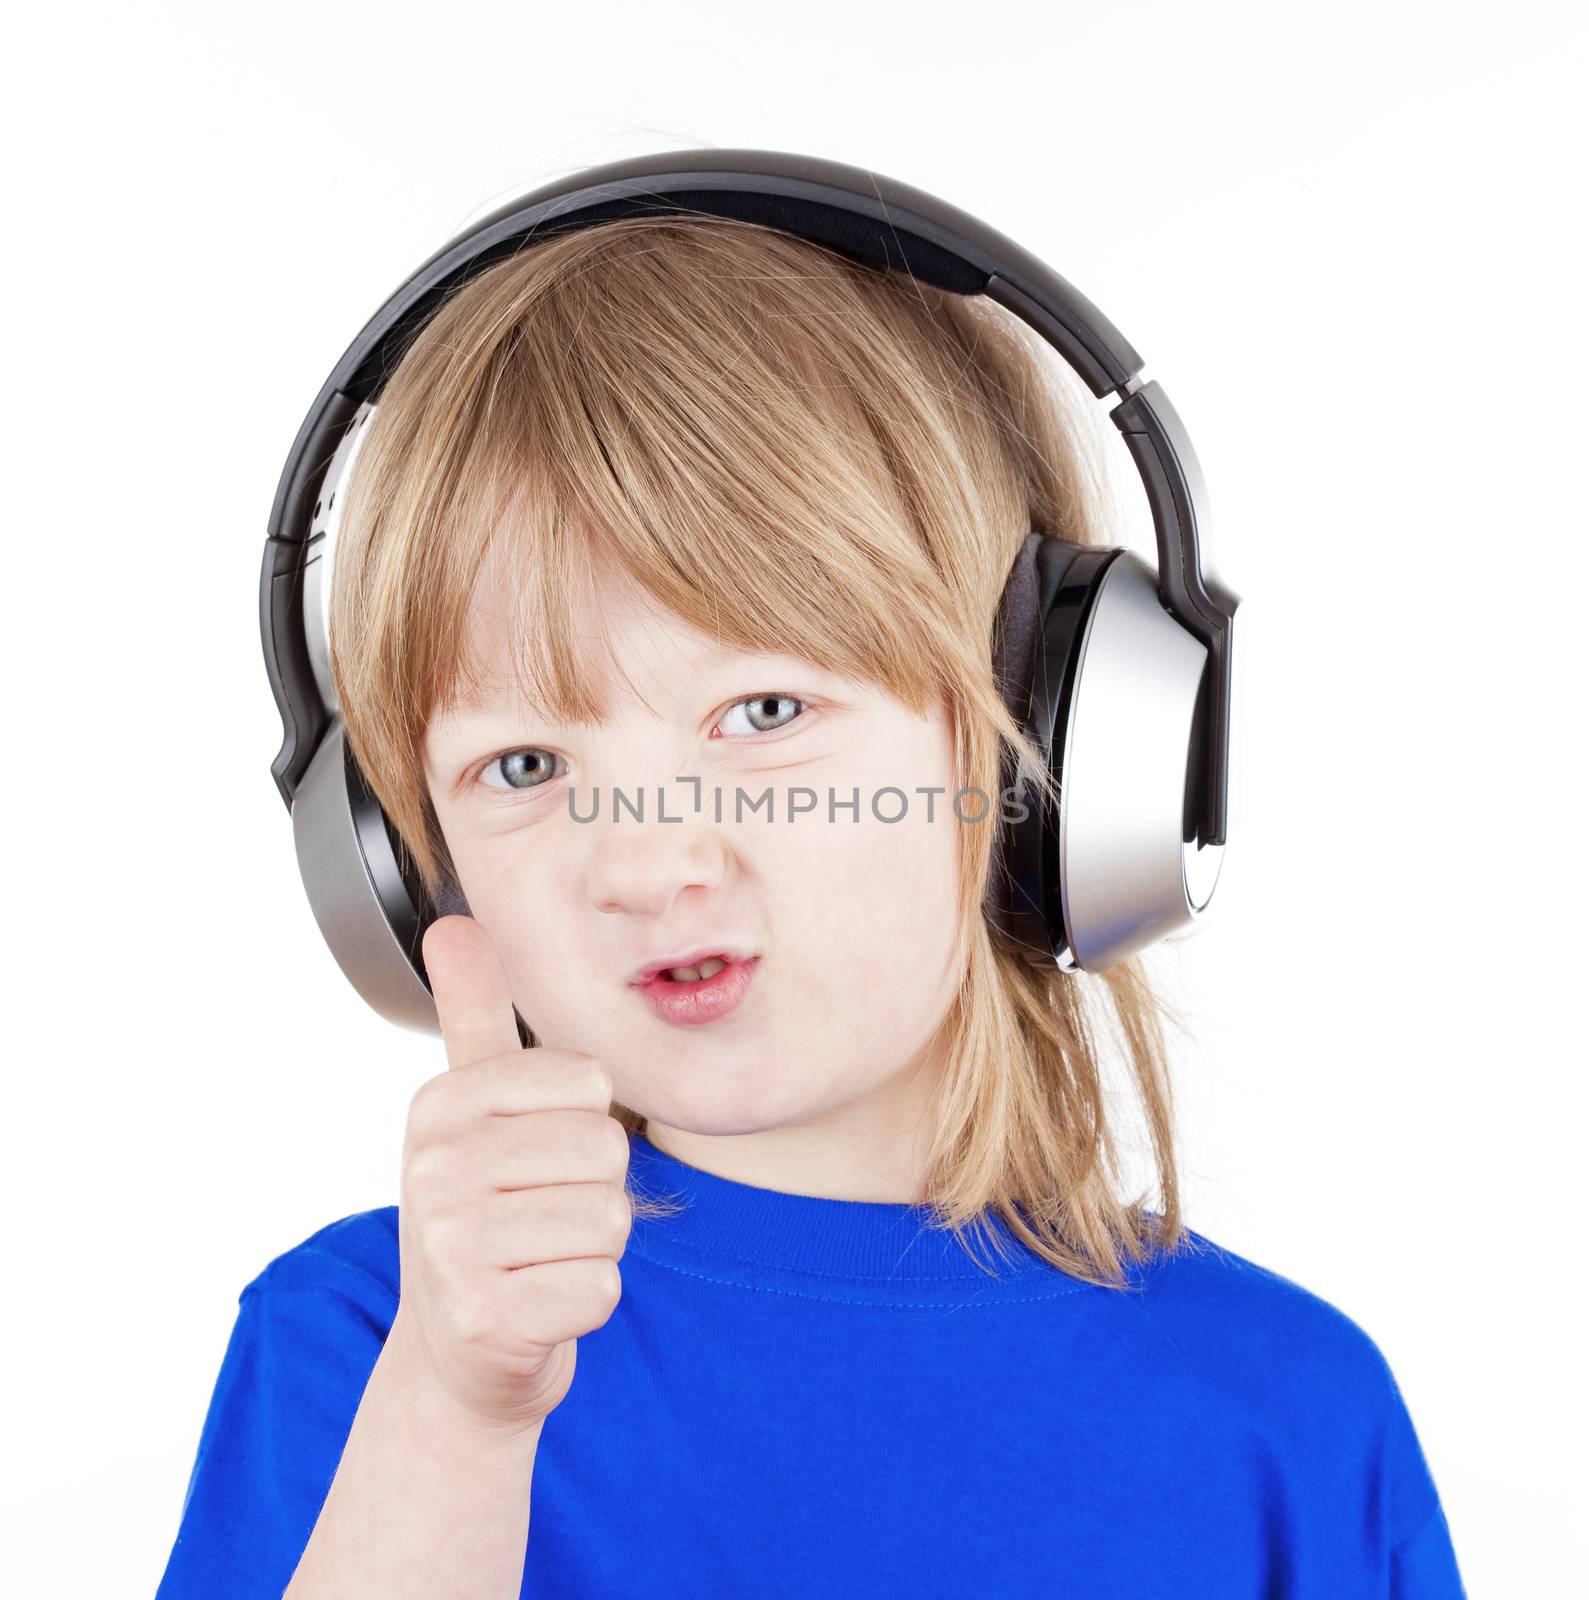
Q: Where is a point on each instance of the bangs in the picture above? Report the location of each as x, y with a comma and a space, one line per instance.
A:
744, 487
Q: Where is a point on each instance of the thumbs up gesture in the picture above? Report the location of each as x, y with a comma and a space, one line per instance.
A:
513, 1213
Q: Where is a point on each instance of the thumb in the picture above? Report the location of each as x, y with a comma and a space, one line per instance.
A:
470, 988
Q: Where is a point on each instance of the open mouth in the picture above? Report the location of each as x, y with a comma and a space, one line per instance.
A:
693, 964
703, 993
697, 974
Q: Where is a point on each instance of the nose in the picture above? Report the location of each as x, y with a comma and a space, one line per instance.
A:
644, 866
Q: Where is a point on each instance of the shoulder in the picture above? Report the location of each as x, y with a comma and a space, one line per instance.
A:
1261, 1338
1301, 1386
355, 1257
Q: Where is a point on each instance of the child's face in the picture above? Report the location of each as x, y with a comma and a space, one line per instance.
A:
853, 919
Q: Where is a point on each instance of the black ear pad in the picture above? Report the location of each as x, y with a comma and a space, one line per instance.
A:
1015, 630
1015, 634
450, 899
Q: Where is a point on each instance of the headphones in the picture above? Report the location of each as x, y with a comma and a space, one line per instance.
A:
1120, 676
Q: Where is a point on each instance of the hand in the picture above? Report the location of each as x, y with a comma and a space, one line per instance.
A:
513, 1215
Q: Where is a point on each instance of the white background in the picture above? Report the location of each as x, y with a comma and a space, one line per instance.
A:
1343, 239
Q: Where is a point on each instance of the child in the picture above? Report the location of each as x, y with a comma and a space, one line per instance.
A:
689, 504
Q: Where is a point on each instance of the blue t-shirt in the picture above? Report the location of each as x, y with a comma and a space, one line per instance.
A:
812, 1397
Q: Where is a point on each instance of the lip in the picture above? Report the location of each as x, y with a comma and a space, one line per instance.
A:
707, 1000
730, 952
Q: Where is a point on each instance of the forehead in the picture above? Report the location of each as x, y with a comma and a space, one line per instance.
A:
629, 651
620, 639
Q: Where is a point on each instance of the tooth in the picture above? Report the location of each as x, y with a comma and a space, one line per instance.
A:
708, 968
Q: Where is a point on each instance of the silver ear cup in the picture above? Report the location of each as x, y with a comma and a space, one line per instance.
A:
1123, 863
355, 887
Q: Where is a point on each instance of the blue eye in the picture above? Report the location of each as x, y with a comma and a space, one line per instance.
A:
523, 769
764, 712
532, 768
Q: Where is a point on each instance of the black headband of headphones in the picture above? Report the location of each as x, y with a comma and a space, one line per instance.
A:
860, 214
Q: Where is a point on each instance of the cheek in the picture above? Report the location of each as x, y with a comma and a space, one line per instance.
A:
877, 906
519, 904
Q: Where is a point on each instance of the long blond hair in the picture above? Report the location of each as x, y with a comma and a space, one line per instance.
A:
798, 454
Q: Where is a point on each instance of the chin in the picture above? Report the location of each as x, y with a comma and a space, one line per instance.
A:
720, 1106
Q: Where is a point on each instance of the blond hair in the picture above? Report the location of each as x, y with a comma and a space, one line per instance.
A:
795, 453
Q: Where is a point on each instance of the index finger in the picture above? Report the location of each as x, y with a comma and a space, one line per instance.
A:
470, 989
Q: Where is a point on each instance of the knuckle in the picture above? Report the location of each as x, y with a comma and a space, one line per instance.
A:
620, 1211
611, 1283
618, 1144
426, 1099
606, 1284
438, 1239
466, 1319
424, 1168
